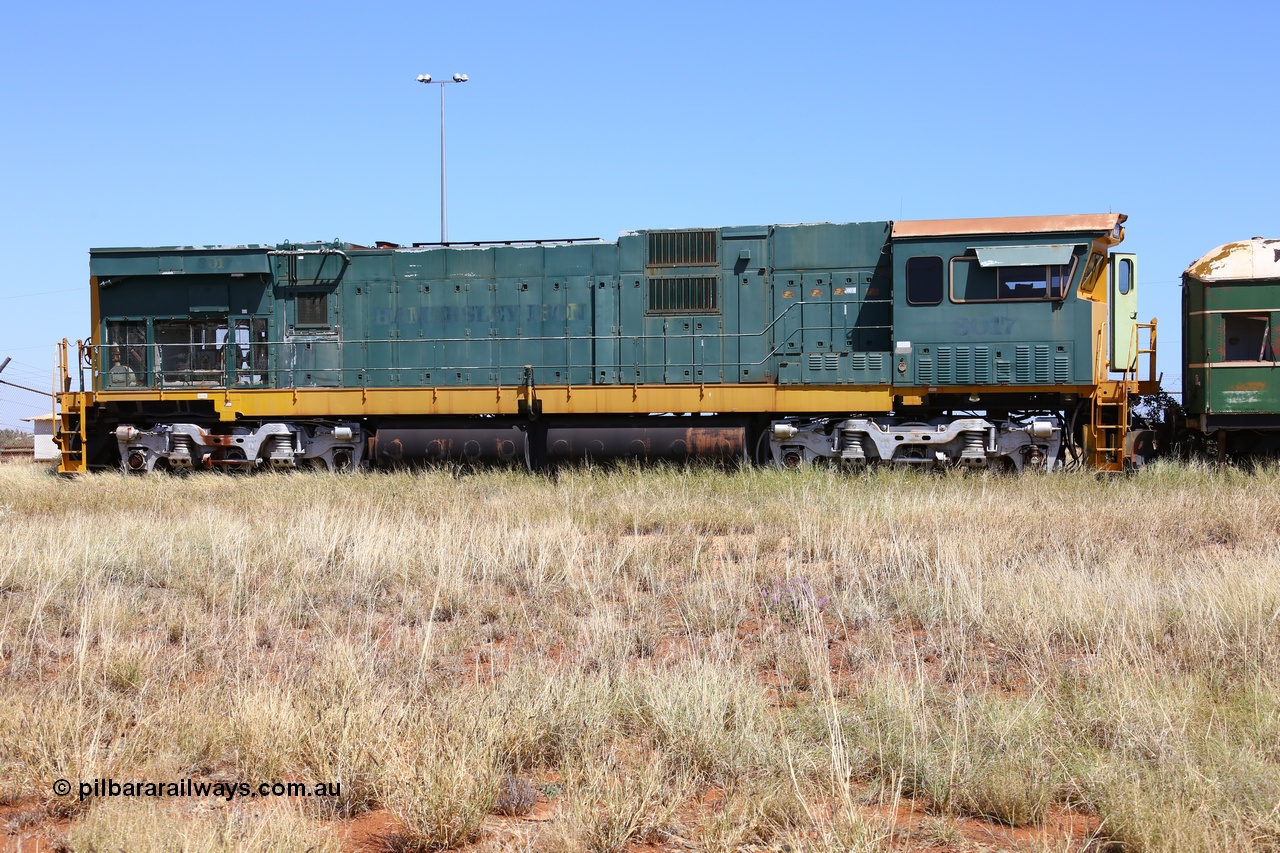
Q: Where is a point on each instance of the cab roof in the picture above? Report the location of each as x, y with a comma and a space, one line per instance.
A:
1098, 222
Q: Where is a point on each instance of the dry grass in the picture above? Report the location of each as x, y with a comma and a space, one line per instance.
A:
148, 827
727, 659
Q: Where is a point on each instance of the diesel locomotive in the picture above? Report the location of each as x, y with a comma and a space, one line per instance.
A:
1009, 342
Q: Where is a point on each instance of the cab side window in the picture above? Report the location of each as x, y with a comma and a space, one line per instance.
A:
972, 282
924, 281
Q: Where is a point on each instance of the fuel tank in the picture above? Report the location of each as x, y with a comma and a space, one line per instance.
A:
603, 439
409, 444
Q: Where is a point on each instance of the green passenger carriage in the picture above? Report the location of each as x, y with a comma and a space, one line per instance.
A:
1231, 337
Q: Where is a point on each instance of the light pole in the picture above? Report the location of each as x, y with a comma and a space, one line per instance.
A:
444, 215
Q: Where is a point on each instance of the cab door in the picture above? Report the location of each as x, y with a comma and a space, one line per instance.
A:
1124, 311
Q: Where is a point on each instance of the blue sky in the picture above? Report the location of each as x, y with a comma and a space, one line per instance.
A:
141, 124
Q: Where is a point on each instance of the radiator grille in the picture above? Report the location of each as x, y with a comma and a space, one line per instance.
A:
682, 295
673, 248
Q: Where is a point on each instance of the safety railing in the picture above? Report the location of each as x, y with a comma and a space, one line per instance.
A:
1149, 350
61, 375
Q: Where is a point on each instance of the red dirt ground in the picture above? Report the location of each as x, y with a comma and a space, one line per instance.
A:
28, 829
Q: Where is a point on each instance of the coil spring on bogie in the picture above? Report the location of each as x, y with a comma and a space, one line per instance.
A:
851, 446
975, 444
279, 449
181, 445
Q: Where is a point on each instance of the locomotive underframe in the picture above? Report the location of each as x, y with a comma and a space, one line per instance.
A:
1016, 431
549, 425
143, 445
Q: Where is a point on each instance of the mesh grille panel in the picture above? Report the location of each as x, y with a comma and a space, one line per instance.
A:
313, 309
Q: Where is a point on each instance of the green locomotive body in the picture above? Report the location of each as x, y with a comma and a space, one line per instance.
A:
951, 341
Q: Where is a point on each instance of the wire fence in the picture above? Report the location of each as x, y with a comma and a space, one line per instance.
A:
12, 412
18, 403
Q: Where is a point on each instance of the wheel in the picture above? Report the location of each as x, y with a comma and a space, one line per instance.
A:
792, 458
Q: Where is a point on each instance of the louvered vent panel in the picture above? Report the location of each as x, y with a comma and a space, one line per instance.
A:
858, 360
815, 361
981, 365
924, 370
1022, 364
831, 361
964, 365
1042, 364
946, 366
1061, 369
875, 361
1004, 371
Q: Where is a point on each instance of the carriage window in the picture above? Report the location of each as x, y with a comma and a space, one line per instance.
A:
924, 281
1247, 337
125, 356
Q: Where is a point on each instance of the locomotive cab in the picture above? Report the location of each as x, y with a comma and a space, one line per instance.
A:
1008, 317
